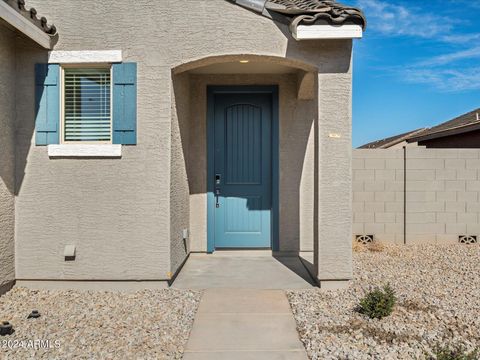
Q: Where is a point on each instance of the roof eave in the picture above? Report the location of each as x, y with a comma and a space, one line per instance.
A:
318, 32
444, 133
394, 140
303, 27
19, 22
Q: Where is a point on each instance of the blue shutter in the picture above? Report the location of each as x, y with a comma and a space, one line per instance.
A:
47, 103
125, 103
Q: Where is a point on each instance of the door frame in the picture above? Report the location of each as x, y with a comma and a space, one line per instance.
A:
242, 89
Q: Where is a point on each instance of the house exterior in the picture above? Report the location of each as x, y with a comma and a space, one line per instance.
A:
135, 133
462, 132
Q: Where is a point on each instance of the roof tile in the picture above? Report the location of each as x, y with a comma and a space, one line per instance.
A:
317, 11
31, 15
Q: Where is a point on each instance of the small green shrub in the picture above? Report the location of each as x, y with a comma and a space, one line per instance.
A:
378, 303
453, 353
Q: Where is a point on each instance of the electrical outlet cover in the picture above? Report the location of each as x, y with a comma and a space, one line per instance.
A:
69, 251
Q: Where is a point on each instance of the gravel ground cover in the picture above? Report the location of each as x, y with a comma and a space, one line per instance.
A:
438, 292
150, 324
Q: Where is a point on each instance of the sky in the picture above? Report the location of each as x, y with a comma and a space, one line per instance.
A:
418, 65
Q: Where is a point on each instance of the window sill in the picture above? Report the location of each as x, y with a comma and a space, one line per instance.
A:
85, 151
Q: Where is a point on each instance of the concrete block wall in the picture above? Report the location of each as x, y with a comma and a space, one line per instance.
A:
378, 193
435, 199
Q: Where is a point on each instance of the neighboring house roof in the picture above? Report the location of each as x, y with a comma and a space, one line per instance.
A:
307, 12
391, 141
31, 15
464, 123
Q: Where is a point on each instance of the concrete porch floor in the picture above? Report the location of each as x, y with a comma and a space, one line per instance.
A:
243, 270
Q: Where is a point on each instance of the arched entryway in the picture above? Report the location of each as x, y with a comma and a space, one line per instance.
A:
288, 89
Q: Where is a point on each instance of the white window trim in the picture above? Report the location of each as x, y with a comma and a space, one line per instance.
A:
85, 150
84, 57
314, 32
62, 104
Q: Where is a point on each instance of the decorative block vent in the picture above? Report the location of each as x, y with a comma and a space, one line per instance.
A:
468, 239
364, 239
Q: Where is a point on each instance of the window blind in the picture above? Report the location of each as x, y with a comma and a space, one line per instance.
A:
87, 105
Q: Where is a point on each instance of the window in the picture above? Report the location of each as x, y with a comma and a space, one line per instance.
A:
87, 105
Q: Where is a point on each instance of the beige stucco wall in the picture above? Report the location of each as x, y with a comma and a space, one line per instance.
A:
126, 215
179, 187
7, 156
115, 211
334, 196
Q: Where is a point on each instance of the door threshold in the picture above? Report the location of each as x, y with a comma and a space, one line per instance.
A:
243, 252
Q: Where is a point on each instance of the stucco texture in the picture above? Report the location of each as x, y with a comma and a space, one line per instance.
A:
334, 193
179, 187
7, 156
126, 216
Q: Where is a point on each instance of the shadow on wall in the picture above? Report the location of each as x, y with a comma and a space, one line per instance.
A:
7, 112
18, 56
337, 61
304, 51
179, 193
28, 55
7, 162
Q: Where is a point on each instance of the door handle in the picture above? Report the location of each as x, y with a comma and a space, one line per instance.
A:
217, 195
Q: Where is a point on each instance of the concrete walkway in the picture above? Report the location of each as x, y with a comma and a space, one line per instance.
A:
244, 324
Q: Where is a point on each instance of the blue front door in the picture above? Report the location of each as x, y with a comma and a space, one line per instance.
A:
242, 170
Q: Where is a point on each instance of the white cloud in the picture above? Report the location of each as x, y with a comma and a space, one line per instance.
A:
452, 57
397, 20
445, 80
449, 72
467, 3
460, 38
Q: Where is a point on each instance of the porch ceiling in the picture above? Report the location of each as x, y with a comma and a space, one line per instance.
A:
237, 67
255, 65
243, 64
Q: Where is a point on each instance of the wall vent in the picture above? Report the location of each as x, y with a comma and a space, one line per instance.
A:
364, 239
467, 239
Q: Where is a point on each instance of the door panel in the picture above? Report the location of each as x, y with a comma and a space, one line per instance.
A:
243, 127
242, 166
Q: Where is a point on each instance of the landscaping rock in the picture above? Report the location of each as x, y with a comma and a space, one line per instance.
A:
98, 325
437, 286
